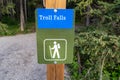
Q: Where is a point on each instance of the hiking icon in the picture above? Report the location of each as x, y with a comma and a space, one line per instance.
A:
54, 51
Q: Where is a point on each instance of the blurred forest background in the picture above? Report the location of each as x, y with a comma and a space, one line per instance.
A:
97, 34
19, 15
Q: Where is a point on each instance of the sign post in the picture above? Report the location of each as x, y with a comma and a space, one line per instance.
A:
55, 71
55, 37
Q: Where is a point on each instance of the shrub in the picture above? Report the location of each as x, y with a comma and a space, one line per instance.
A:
3, 29
9, 21
97, 56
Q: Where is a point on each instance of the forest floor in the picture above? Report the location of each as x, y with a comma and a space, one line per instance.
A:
18, 58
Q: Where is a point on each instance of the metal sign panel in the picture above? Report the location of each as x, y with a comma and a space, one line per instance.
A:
55, 35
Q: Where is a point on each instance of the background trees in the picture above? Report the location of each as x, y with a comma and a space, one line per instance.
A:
88, 12
97, 12
6, 8
97, 41
22, 17
18, 13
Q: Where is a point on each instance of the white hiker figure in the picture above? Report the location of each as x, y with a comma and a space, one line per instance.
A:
55, 49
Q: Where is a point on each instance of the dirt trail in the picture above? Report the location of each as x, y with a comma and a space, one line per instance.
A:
18, 59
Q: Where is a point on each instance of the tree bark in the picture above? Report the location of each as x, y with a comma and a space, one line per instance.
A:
11, 10
0, 16
44, 3
1, 4
22, 21
0, 11
79, 60
25, 7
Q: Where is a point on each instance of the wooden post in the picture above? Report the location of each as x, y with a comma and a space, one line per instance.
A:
55, 71
61, 4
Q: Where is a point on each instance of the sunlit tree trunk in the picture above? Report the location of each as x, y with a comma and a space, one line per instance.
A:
44, 1
22, 21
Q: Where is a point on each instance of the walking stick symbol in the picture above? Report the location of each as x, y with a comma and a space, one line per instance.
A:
50, 51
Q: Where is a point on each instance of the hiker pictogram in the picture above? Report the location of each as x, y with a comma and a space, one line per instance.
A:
54, 51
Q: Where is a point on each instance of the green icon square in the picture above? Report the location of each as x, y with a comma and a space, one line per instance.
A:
55, 49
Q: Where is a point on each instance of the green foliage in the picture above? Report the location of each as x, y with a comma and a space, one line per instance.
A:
30, 27
82, 5
101, 12
99, 56
35, 3
8, 9
3, 29
73, 69
9, 20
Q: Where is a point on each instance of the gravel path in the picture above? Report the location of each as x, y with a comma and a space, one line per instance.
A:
18, 59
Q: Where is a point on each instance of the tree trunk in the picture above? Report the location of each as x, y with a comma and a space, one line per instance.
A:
1, 4
12, 14
22, 21
0, 13
79, 61
25, 6
29, 10
44, 1
0, 16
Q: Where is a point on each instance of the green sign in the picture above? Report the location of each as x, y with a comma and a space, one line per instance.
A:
55, 35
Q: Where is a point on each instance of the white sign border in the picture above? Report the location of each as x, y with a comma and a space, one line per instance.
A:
55, 59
